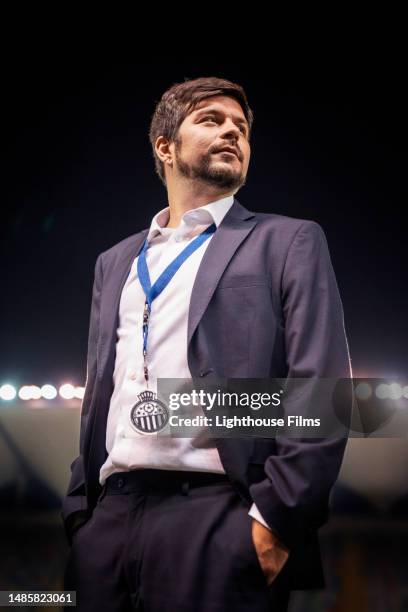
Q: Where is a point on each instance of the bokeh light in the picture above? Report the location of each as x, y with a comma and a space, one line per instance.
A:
49, 392
382, 391
7, 392
67, 391
363, 391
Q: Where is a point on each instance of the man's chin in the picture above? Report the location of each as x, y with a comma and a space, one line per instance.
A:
226, 182
219, 176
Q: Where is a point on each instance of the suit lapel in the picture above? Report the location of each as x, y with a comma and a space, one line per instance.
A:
234, 228
109, 317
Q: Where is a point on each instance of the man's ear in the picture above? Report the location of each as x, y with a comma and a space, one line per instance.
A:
164, 150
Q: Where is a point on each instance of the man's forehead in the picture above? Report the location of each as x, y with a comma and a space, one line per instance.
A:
219, 103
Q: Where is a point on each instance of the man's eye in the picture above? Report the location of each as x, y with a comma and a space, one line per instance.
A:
209, 118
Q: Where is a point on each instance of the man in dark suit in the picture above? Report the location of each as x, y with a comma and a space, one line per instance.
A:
161, 523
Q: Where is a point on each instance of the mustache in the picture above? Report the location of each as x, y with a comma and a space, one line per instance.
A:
228, 147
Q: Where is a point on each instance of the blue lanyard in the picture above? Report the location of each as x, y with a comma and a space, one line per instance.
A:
151, 292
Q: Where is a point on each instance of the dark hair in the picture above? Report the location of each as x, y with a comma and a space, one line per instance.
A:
181, 99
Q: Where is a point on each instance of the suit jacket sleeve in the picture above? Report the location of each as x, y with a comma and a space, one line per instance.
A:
75, 499
293, 499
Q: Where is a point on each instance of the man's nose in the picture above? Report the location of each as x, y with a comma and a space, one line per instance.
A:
230, 130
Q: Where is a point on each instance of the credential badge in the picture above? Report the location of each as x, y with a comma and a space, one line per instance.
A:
149, 415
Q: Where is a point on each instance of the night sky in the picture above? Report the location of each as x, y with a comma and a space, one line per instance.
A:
328, 144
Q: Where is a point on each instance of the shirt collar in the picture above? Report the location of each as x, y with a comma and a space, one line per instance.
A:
214, 212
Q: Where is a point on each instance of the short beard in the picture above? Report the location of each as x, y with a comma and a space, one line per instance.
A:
226, 178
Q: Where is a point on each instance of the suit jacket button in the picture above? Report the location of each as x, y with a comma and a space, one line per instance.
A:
120, 482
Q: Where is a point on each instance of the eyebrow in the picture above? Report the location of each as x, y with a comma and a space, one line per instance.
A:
214, 109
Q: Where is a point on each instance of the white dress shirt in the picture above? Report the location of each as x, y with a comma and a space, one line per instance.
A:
166, 351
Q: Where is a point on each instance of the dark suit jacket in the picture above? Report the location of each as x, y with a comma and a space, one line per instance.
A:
265, 303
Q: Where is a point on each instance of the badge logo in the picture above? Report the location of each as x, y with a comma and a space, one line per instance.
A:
149, 415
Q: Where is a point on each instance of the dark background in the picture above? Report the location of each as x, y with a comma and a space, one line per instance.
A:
328, 144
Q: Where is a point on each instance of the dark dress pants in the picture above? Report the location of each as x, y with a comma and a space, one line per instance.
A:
166, 541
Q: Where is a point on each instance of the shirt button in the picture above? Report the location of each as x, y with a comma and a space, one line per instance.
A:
133, 376
120, 482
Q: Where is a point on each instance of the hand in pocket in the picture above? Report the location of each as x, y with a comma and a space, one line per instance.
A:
272, 554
